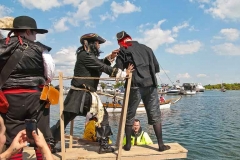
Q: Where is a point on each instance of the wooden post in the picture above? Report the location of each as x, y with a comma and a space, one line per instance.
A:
71, 134
123, 117
61, 115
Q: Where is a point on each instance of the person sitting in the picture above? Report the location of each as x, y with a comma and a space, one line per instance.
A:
21, 141
138, 137
162, 99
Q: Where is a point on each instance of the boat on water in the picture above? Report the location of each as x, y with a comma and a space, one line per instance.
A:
223, 88
199, 87
117, 108
188, 89
175, 90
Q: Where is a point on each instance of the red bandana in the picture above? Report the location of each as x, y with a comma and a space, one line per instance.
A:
124, 42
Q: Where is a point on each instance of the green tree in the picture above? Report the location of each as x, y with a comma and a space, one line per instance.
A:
103, 85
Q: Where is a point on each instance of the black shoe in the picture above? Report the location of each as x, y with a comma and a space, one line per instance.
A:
105, 149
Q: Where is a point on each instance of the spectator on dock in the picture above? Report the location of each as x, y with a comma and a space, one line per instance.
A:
143, 85
138, 136
82, 97
21, 141
23, 86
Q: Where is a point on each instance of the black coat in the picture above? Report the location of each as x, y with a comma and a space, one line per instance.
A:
145, 64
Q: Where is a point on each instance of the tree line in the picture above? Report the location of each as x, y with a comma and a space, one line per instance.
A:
233, 86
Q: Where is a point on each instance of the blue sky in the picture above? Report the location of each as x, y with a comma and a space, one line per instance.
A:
193, 40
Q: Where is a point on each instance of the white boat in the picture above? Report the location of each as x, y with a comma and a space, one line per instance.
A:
199, 87
117, 108
175, 90
188, 89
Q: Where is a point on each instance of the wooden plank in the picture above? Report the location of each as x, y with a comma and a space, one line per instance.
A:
90, 152
61, 114
123, 117
71, 133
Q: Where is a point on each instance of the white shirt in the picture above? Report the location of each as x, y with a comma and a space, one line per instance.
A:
49, 66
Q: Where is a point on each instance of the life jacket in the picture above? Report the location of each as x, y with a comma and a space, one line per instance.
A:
142, 139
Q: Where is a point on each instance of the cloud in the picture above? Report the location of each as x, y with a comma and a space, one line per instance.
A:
188, 47
155, 37
5, 11
124, 8
225, 9
43, 5
201, 75
107, 43
41, 37
60, 26
73, 2
120, 8
81, 14
192, 28
184, 75
230, 34
200, 1
65, 60
177, 28
89, 24
227, 49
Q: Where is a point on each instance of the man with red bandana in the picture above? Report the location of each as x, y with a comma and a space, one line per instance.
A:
143, 85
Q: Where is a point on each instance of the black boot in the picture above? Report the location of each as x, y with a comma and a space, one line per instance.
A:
104, 146
158, 132
128, 132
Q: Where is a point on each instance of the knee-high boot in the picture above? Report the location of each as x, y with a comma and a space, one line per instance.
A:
104, 146
128, 132
158, 132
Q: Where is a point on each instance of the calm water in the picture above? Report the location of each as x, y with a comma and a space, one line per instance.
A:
207, 124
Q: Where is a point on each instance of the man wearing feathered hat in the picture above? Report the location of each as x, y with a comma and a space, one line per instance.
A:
23, 86
82, 97
144, 85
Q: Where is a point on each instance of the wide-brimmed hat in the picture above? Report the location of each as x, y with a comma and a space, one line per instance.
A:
92, 37
121, 35
25, 22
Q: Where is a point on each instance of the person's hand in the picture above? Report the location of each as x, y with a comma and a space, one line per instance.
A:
114, 53
130, 68
18, 143
39, 139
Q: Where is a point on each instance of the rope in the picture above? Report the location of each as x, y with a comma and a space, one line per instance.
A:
110, 78
166, 74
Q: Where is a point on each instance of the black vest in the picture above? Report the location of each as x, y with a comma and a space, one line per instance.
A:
29, 72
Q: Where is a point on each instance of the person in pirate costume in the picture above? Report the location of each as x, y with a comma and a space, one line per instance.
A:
143, 85
23, 86
82, 97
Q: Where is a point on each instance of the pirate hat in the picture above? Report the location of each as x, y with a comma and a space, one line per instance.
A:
92, 37
122, 35
25, 22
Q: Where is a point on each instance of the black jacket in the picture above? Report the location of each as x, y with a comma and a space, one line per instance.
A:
29, 72
144, 61
88, 65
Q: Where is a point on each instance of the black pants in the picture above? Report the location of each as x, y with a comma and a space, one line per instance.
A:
25, 106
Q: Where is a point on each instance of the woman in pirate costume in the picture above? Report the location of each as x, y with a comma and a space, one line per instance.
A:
82, 97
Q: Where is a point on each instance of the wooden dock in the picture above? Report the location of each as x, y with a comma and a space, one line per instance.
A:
90, 152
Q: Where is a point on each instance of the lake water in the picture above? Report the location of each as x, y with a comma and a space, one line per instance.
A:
206, 124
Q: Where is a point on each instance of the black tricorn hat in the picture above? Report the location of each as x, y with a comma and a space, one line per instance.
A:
25, 22
92, 37
121, 35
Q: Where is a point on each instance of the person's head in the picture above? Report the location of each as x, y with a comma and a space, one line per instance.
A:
91, 43
136, 125
25, 26
123, 39
2, 134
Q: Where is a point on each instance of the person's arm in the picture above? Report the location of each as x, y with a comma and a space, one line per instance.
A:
147, 139
18, 143
42, 145
49, 66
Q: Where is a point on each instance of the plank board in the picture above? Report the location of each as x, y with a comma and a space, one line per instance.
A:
90, 152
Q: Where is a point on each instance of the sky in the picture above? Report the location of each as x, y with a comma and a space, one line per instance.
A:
193, 40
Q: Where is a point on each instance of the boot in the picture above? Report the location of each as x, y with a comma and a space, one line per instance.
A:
128, 132
104, 146
158, 132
